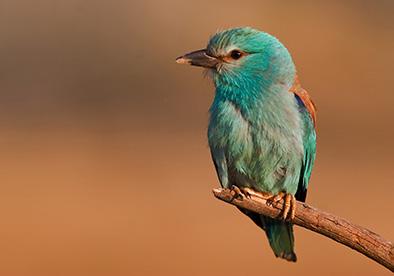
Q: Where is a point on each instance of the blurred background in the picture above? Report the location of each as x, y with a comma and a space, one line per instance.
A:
105, 168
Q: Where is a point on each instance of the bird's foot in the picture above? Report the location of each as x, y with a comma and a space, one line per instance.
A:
236, 192
289, 205
240, 193
250, 192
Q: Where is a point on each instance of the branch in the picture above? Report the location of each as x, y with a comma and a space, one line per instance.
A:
356, 237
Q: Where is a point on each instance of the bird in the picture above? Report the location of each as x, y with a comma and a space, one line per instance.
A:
262, 126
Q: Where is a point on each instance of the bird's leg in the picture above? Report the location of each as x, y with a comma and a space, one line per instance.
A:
289, 204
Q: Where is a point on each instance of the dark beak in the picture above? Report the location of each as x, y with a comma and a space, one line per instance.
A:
198, 58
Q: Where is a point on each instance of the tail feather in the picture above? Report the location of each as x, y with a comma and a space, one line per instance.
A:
280, 234
281, 238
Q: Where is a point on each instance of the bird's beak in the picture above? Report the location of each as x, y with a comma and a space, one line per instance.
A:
198, 58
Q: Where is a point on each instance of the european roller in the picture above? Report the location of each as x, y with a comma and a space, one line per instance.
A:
261, 130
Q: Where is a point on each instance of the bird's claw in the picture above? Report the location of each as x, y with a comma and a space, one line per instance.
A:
247, 192
240, 193
236, 192
289, 204
273, 199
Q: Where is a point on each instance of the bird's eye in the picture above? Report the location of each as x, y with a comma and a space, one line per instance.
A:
236, 54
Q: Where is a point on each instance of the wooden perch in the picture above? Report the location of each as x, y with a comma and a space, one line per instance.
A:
359, 238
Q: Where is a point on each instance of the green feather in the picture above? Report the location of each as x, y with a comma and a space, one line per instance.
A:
281, 238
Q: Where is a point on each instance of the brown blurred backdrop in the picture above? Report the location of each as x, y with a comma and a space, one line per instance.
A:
105, 168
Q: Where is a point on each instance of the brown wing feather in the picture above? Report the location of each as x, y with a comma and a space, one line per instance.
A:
305, 98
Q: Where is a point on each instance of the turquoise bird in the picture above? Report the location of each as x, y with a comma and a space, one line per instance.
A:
262, 124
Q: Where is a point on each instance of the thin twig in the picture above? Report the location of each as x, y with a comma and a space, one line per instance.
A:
359, 238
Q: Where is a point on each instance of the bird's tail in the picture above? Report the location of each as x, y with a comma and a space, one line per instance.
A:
280, 234
281, 238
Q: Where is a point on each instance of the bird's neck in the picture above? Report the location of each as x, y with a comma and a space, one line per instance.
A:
247, 95
247, 88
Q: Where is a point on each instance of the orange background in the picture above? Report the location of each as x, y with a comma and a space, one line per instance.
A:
105, 168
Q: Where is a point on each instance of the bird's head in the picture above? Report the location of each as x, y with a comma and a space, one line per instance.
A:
244, 57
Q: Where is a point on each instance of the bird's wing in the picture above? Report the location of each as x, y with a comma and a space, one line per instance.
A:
305, 99
220, 162
308, 112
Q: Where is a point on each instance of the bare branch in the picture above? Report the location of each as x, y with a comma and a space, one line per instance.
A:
359, 238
